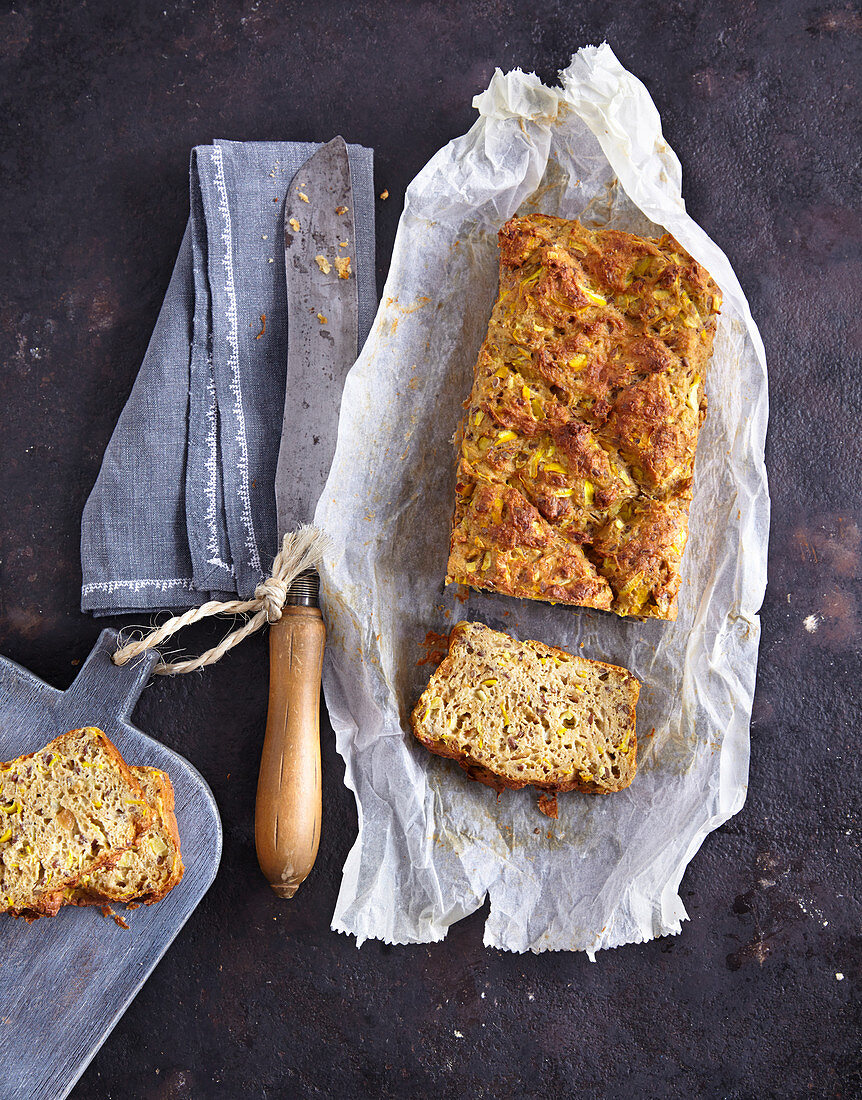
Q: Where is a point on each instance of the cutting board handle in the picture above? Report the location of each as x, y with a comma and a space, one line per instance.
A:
289, 803
101, 687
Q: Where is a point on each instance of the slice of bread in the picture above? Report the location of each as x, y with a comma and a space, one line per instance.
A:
66, 810
152, 867
512, 713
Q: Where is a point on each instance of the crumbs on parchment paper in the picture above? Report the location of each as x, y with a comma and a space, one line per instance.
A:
323, 320
324, 264
548, 805
342, 266
294, 224
436, 647
341, 210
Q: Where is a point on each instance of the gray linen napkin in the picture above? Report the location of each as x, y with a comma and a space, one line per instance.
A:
183, 509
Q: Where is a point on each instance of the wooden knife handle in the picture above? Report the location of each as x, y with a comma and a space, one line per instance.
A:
288, 809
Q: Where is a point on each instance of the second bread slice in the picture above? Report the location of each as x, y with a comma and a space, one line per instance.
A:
515, 713
152, 867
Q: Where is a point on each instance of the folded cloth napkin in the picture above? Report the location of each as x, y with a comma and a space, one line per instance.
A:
183, 509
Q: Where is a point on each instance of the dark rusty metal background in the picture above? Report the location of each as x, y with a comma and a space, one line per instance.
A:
101, 103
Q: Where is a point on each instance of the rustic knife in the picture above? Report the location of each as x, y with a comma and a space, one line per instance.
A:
322, 310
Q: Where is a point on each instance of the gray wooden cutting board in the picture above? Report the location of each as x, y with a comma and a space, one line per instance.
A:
64, 982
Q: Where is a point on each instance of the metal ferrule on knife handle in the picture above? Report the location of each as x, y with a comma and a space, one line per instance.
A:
305, 590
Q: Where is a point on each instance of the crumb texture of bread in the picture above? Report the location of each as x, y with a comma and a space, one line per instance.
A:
152, 867
66, 810
576, 452
515, 713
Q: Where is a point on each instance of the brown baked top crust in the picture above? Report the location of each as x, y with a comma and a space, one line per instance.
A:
577, 448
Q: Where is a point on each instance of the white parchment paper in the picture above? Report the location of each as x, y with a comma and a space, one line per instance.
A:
432, 844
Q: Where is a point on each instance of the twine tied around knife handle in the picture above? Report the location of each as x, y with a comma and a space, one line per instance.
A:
300, 551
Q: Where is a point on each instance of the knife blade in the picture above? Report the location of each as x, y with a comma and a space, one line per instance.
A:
322, 319
322, 311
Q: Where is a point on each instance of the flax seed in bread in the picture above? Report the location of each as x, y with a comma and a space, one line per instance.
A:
152, 867
577, 448
65, 811
512, 713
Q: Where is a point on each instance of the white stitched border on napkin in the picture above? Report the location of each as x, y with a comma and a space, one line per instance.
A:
137, 585
233, 360
213, 547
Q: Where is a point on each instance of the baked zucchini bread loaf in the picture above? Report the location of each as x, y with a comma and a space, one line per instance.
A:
577, 448
512, 713
65, 811
152, 867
